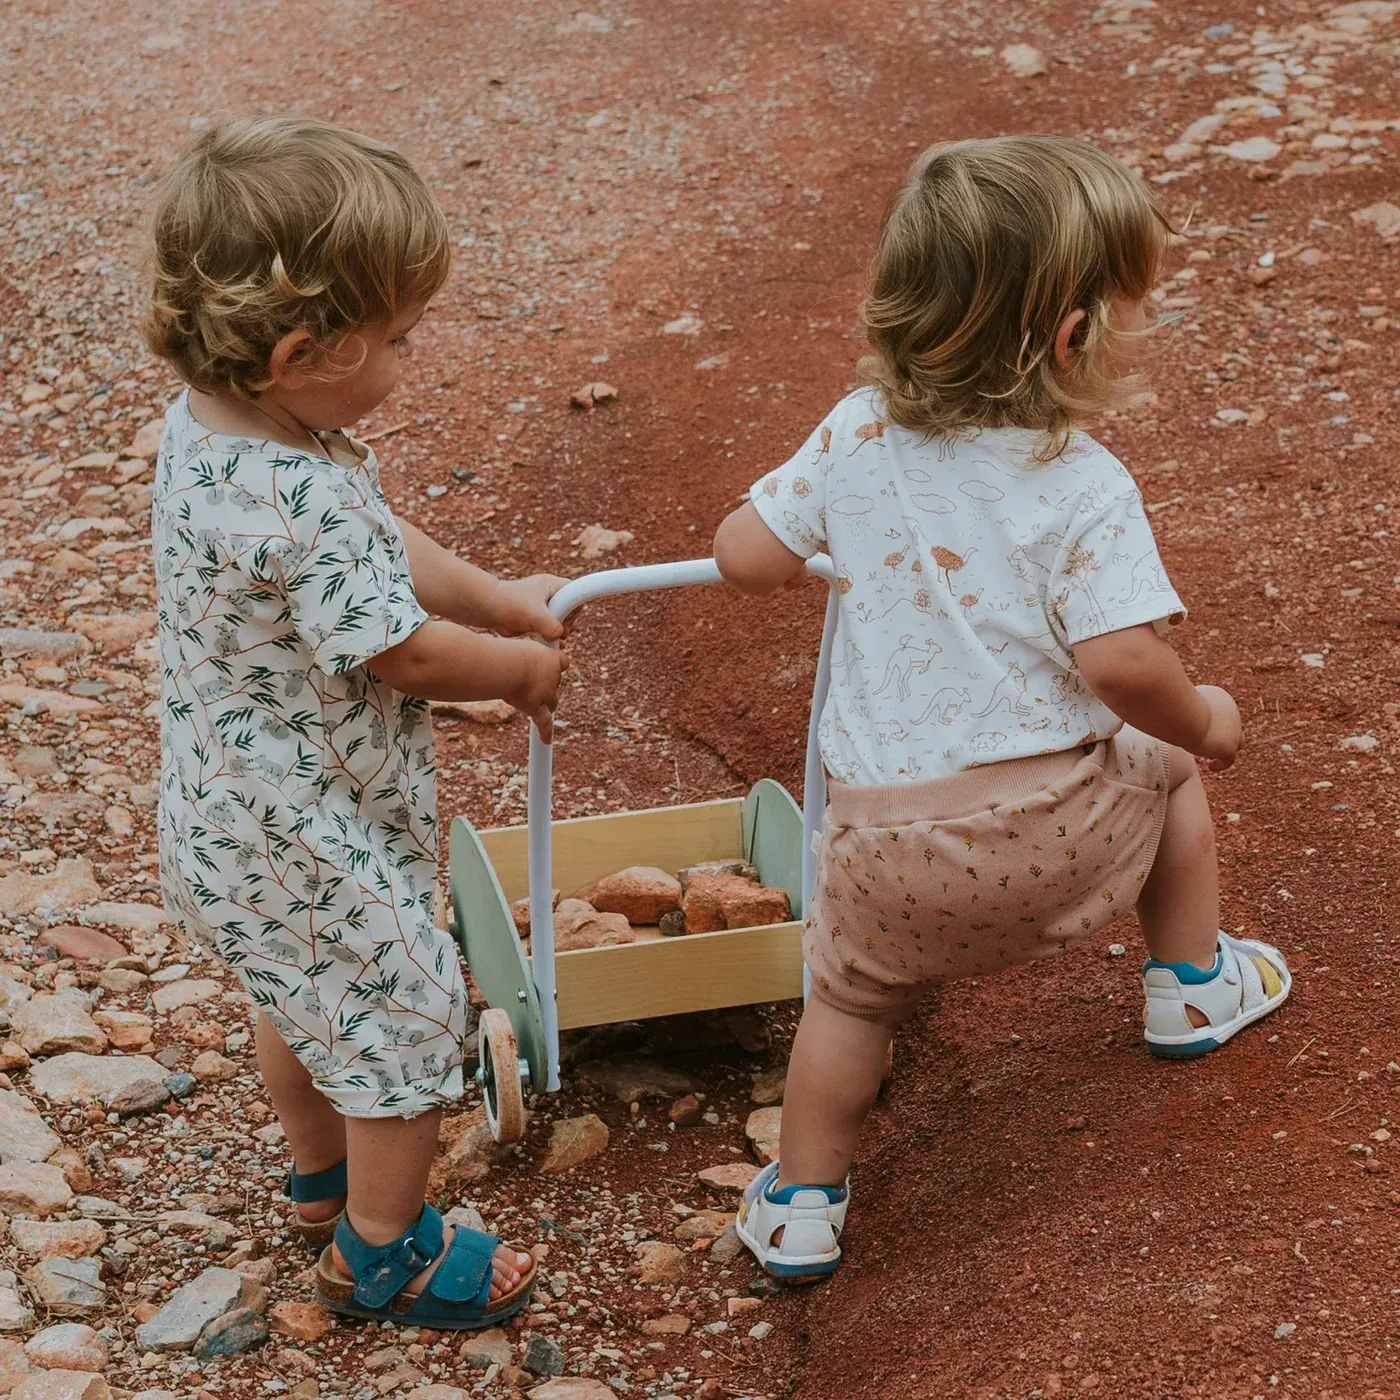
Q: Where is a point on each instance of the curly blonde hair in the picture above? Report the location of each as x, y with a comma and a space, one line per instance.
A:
986, 250
274, 224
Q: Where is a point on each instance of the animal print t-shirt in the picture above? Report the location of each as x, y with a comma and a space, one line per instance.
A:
967, 571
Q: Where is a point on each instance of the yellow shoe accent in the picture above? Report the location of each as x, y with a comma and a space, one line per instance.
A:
1268, 974
743, 1211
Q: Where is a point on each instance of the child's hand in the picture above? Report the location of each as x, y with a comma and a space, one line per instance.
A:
536, 690
521, 608
1223, 735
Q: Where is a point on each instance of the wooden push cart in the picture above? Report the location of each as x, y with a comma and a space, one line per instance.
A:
532, 997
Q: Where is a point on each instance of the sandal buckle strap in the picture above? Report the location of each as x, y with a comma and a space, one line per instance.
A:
381, 1271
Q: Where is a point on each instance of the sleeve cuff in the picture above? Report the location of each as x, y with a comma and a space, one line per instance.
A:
790, 531
1163, 613
343, 651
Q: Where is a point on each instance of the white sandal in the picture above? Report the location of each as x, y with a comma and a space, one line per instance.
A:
810, 1217
1250, 980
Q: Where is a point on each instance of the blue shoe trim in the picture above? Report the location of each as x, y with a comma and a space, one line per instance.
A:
1193, 1050
317, 1186
802, 1270
784, 1196
1188, 974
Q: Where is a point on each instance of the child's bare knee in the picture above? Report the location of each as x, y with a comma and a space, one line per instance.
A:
1183, 769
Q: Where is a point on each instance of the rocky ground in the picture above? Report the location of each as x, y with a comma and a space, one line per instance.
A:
671, 202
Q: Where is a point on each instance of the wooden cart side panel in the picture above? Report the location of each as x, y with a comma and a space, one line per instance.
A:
588, 847
665, 977
773, 839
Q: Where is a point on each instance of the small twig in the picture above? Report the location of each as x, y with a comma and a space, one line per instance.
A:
1298, 1250
1337, 1112
386, 432
1299, 1055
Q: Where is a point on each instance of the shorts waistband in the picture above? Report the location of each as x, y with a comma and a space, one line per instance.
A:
976, 789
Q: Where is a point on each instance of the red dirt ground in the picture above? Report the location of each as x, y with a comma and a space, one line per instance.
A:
1039, 1208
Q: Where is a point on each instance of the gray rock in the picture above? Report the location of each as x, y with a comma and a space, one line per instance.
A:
178, 1325
68, 1285
466, 1216
181, 1085
24, 1136
15, 1315
52, 1025
542, 1357
99, 1208
76, 1078
53, 647
12, 995
184, 992
489, 1348
728, 1246
236, 1331
145, 1096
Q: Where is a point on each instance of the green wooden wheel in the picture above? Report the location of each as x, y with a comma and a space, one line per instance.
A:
481, 923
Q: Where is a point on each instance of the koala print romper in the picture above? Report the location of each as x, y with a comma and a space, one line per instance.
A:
298, 829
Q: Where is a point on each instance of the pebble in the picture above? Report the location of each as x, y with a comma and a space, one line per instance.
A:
181, 1322
84, 944
68, 1346
1025, 61
763, 1129
185, 992
67, 1285
14, 1365
234, 1332
214, 1068
1284, 1329
573, 1141
24, 1136
15, 1314
572, 1388
33, 1188
769, 1085
659, 1263
51, 1239
542, 1357
761, 1331
484, 1349
69, 885
62, 1385
77, 1078
686, 1112
728, 1177
51, 1025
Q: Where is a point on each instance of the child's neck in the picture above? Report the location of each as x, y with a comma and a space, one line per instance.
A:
266, 418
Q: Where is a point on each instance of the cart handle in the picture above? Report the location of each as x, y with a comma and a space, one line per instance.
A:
611, 583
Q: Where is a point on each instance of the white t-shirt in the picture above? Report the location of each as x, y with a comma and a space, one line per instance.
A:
967, 573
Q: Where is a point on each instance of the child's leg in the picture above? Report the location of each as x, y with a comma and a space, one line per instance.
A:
833, 1078
1179, 908
389, 1160
315, 1131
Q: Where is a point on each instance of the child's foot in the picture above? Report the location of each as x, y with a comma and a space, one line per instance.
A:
794, 1232
430, 1275
508, 1267
1191, 1011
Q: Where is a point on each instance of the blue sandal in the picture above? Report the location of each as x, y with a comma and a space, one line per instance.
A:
317, 1186
458, 1295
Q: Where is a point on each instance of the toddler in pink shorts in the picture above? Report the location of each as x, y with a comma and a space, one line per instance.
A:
1010, 738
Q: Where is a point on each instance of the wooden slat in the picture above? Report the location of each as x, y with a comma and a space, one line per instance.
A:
668, 976
587, 847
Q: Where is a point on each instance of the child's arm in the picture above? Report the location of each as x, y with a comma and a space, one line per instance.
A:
751, 557
442, 661
450, 587
1141, 679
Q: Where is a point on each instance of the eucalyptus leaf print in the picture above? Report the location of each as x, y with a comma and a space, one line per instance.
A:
298, 832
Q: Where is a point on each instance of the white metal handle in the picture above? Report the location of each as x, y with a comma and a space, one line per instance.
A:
540, 776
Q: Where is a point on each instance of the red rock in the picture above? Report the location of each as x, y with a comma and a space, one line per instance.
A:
672, 1325
704, 868
714, 902
520, 912
729, 1176
514, 1377
763, 1130
303, 1322
641, 893
658, 1262
575, 1140
686, 1112
84, 944
753, 906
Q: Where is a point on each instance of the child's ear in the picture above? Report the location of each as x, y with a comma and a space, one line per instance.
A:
1068, 339
291, 358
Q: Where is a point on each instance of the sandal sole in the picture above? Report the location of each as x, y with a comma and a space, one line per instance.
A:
1194, 1049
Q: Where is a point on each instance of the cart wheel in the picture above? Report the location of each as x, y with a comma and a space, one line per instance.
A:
887, 1073
441, 911
500, 1076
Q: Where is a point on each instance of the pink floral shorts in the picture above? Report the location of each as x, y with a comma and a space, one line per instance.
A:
922, 883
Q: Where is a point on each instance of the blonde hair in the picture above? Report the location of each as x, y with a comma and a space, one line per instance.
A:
986, 250
274, 224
